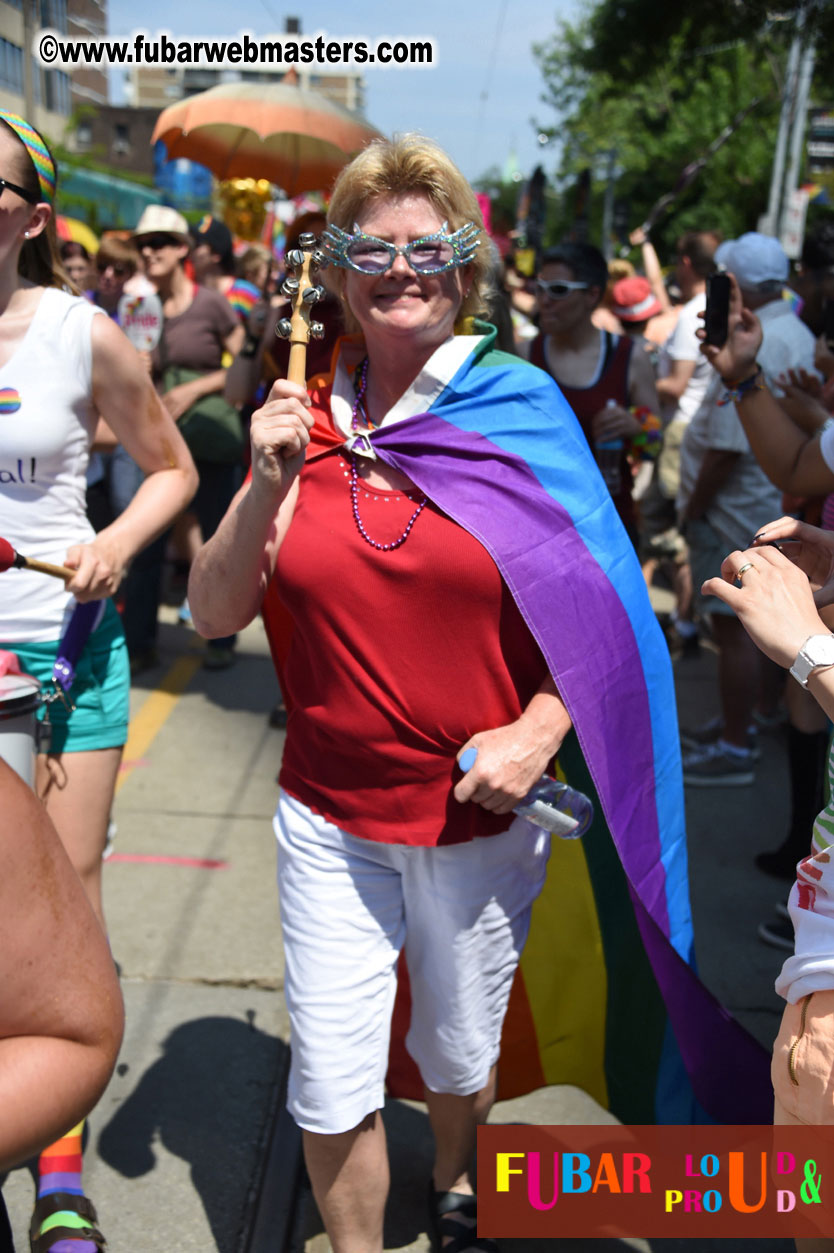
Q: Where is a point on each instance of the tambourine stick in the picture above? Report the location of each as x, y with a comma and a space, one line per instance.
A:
297, 366
10, 559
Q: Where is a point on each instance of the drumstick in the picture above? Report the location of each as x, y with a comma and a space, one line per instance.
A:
9, 559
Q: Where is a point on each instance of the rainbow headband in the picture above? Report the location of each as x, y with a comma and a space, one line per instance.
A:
38, 151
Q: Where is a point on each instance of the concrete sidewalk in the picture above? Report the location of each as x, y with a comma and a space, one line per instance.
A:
176, 1142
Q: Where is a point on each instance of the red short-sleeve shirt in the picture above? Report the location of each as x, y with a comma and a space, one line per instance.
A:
396, 660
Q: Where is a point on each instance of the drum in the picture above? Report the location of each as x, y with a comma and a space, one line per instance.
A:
20, 697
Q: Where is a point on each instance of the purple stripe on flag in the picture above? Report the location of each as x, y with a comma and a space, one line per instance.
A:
495, 496
740, 1093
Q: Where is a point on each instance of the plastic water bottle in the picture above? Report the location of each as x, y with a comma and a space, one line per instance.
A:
552, 805
608, 453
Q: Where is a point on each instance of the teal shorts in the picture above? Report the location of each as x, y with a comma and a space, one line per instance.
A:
100, 690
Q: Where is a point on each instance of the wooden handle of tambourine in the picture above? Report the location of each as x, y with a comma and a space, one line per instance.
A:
297, 368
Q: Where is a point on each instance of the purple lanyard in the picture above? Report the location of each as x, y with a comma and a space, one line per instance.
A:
83, 619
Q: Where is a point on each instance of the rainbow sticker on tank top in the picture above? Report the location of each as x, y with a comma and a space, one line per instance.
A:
9, 400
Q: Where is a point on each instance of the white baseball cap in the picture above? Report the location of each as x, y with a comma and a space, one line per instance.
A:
754, 259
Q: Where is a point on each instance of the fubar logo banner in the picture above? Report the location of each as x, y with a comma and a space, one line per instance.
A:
707, 1182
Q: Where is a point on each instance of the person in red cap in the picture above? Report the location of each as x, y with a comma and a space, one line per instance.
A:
635, 304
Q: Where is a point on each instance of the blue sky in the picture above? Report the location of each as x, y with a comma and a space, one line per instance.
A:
481, 46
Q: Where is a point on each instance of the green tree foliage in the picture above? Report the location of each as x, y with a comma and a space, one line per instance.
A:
657, 84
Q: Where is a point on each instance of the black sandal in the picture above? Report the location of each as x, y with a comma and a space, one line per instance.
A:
446, 1209
56, 1203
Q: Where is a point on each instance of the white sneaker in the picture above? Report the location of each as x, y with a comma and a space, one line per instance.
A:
715, 766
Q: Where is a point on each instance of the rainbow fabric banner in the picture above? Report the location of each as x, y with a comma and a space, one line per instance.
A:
243, 296
606, 996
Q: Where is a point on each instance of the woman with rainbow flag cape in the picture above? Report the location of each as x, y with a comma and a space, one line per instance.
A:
440, 568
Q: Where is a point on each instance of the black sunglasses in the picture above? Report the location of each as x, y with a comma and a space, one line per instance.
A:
19, 191
118, 269
155, 242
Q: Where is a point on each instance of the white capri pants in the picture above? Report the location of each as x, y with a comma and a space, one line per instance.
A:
348, 906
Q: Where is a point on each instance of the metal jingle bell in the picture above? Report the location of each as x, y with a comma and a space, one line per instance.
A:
319, 260
289, 286
306, 241
317, 330
284, 328
295, 257
312, 294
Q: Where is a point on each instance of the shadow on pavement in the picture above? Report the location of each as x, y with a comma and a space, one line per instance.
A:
190, 1100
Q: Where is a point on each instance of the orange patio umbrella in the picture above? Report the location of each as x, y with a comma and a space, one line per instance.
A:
297, 139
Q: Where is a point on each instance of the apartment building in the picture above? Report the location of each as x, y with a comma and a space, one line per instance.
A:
48, 97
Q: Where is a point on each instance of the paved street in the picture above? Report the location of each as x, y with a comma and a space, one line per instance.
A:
177, 1143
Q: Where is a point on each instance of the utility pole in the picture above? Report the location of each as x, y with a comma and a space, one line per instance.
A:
806, 71
769, 225
608, 205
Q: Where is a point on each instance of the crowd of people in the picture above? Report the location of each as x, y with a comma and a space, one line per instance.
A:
709, 468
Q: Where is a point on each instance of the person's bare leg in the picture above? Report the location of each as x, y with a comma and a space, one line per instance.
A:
649, 567
187, 538
77, 790
349, 1176
682, 587
738, 677
803, 711
454, 1121
771, 688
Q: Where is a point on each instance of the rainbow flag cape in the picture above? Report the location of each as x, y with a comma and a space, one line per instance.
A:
606, 996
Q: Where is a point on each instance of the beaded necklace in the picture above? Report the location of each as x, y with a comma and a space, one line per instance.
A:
361, 388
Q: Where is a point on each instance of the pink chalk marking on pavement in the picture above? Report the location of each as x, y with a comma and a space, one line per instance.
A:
198, 863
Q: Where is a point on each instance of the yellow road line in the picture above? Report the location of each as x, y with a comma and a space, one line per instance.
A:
155, 712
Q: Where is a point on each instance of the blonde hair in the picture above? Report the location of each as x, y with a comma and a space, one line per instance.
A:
412, 165
39, 260
250, 263
620, 268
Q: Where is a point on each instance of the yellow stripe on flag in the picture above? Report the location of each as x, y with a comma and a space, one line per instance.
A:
565, 978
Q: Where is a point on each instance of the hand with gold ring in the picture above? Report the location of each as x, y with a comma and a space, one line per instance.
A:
776, 608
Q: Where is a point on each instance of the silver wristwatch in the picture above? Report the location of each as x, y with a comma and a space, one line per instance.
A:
815, 653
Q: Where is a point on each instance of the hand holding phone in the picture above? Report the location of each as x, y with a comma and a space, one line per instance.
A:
717, 316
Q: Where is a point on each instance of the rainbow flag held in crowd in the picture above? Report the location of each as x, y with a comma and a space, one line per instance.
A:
606, 996
243, 296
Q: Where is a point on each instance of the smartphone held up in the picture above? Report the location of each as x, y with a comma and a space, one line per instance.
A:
717, 316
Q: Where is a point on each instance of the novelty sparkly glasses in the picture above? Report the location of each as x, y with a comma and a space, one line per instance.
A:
558, 289
431, 254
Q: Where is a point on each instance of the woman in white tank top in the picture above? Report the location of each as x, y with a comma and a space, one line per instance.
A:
63, 363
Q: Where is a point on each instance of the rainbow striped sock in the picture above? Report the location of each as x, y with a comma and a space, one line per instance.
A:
59, 1170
